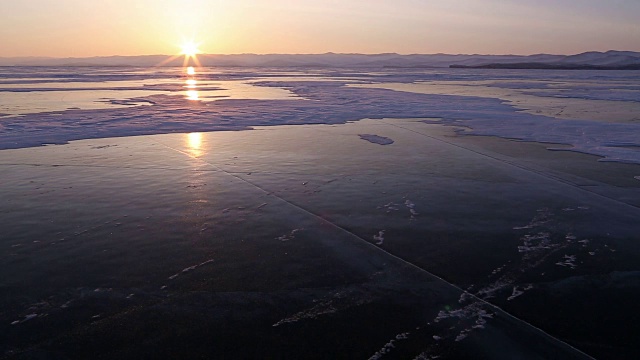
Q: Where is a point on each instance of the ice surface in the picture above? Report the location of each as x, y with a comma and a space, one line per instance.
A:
134, 211
380, 140
327, 102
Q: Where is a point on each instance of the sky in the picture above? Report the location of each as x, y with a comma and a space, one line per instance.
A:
83, 28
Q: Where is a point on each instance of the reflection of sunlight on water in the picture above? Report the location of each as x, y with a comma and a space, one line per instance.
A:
193, 95
192, 84
194, 143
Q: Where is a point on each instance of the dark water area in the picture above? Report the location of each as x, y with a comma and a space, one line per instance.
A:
312, 242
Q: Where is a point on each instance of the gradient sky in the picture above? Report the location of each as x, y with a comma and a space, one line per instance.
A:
79, 28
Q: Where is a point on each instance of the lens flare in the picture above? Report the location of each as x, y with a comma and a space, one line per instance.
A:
190, 49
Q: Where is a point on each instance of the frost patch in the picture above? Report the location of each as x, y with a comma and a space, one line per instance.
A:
390, 207
379, 238
411, 206
568, 261
289, 236
190, 268
26, 318
338, 302
388, 347
517, 291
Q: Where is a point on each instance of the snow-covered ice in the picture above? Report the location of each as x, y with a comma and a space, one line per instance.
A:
252, 99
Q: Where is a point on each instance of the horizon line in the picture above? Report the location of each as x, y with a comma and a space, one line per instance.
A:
307, 54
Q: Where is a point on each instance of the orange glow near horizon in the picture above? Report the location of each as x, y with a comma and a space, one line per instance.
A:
70, 28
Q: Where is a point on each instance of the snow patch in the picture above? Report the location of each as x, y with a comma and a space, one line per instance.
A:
188, 269
379, 238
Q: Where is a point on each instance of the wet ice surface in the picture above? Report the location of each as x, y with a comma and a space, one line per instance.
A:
375, 139
502, 103
306, 241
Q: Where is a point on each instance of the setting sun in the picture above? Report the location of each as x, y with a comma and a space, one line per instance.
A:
190, 49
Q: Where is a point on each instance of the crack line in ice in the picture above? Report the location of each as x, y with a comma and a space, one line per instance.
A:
537, 247
481, 320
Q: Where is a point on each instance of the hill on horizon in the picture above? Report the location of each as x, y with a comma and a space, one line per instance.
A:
612, 58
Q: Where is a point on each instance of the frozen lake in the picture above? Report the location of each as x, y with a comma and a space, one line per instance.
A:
354, 218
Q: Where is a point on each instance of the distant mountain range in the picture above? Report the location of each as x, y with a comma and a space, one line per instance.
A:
593, 60
589, 60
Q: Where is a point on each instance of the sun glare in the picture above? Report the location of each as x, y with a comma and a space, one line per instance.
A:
191, 70
193, 95
190, 49
194, 144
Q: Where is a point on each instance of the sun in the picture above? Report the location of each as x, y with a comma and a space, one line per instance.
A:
190, 49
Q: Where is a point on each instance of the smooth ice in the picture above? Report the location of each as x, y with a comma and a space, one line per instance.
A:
367, 224
292, 237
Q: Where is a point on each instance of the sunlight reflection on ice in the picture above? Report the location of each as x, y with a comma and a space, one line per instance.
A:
194, 143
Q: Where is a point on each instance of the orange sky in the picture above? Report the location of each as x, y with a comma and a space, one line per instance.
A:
78, 28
